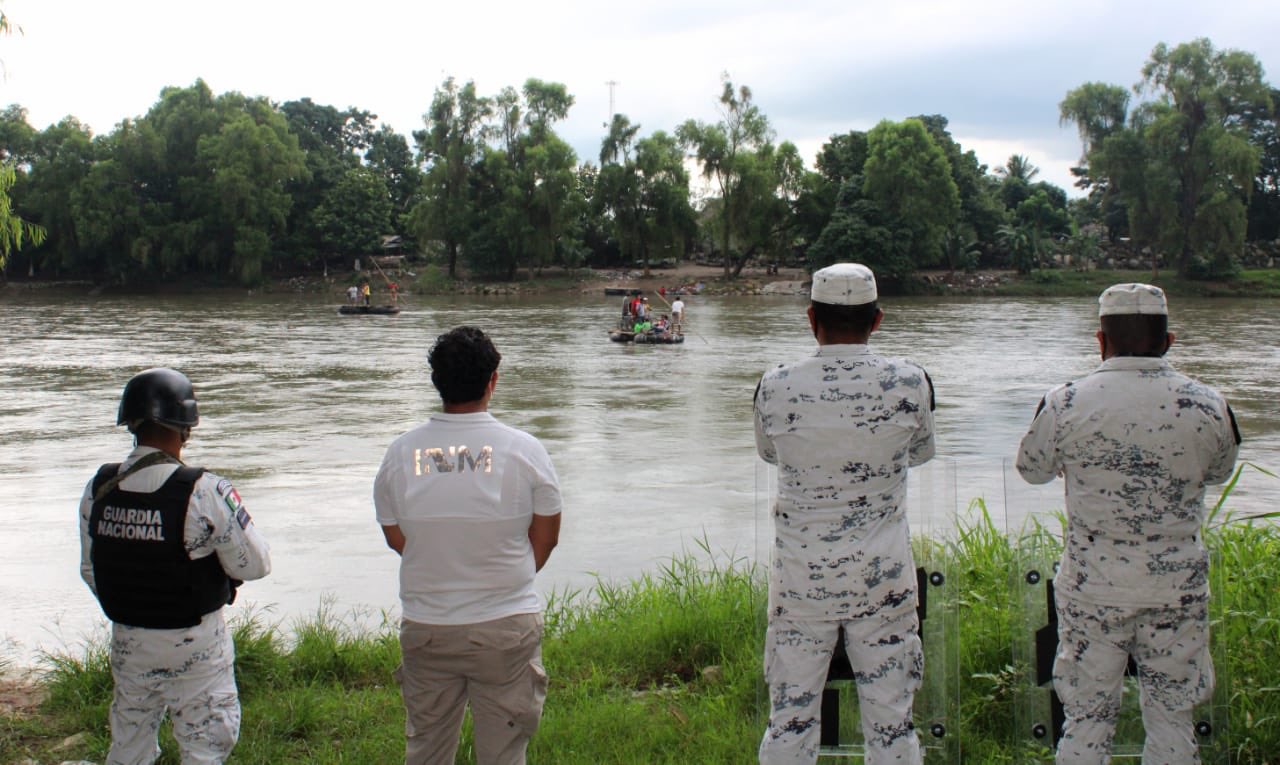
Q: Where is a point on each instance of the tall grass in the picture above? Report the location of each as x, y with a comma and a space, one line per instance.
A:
667, 668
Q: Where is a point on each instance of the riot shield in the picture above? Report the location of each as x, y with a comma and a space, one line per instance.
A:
931, 506
1037, 519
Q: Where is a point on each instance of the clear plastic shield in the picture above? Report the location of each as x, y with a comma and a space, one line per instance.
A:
1034, 529
1037, 520
931, 508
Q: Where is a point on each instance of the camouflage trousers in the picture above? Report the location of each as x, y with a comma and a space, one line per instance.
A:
187, 672
1170, 647
888, 664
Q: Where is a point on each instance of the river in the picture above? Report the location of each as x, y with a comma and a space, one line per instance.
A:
653, 444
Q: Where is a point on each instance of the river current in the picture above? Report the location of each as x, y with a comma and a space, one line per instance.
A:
653, 444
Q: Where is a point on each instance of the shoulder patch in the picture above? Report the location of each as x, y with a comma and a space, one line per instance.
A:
230, 496
242, 518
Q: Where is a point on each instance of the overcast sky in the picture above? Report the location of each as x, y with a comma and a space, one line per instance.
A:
996, 69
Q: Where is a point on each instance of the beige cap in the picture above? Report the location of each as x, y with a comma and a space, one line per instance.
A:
844, 284
1132, 298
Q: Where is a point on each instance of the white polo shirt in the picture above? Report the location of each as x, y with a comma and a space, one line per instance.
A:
463, 488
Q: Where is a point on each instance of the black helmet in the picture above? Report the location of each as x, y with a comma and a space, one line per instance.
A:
159, 395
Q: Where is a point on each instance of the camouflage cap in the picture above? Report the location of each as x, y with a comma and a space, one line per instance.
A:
1132, 298
844, 284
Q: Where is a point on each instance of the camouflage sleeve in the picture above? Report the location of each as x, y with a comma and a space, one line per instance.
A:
86, 542
764, 446
1037, 454
230, 531
922, 445
1228, 445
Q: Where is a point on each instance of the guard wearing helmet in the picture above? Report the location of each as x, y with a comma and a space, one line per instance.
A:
163, 546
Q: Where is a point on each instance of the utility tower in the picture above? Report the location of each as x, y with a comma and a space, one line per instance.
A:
612, 84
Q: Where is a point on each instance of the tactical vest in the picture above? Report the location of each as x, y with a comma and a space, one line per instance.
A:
141, 569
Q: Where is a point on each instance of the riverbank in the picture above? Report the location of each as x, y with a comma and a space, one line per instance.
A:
709, 280
667, 669
705, 280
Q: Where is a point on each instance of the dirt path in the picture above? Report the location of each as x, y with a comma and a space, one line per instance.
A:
20, 694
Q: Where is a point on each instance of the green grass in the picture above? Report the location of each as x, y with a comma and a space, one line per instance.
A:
667, 668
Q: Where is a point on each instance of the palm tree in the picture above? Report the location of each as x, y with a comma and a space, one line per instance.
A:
1018, 168
960, 248
1020, 241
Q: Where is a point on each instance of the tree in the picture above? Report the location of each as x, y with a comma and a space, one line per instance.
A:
1098, 111
908, 177
248, 164
644, 191
527, 186
1196, 126
391, 158
545, 166
1264, 204
450, 146
772, 182
17, 137
15, 233
60, 157
1041, 218
355, 212
719, 148
858, 225
981, 209
1021, 244
840, 159
1184, 166
332, 141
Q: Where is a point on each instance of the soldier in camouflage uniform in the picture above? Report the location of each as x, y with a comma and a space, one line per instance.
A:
1135, 443
842, 426
163, 546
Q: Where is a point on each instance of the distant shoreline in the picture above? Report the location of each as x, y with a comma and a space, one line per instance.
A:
1252, 283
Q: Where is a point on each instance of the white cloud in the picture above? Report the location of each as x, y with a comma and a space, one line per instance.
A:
995, 69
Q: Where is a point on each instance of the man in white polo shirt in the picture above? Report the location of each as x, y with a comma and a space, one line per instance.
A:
473, 508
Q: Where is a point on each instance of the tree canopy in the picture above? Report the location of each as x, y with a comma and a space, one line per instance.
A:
227, 187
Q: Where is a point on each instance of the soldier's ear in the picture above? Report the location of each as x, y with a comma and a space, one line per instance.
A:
813, 324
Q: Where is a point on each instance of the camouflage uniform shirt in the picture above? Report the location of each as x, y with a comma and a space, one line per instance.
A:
1135, 442
842, 426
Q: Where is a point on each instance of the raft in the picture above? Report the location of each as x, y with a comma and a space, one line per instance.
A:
368, 309
622, 336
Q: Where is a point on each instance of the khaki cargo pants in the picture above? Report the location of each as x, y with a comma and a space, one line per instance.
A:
496, 667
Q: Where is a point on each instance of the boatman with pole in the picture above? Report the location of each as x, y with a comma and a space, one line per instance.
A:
1135, 443
843, 425
164, 546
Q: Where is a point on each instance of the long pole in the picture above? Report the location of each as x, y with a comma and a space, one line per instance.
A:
695, 334
395, 294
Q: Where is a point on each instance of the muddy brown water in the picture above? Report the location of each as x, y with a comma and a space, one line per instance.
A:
653, 444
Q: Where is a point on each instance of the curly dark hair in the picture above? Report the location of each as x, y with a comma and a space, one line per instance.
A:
462, 361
